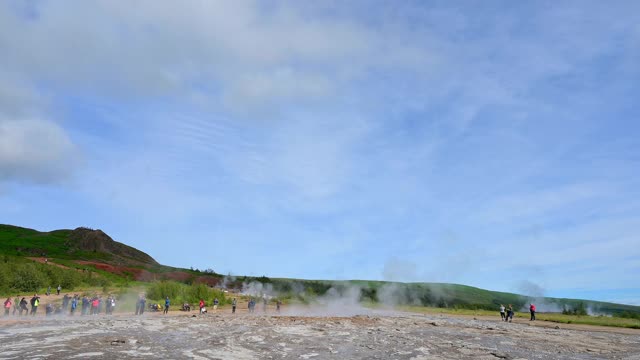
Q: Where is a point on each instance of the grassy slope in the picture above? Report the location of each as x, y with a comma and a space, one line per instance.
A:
27, 242
23, 242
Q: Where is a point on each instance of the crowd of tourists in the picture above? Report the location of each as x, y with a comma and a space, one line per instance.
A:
96, 305
506, 313
70, 305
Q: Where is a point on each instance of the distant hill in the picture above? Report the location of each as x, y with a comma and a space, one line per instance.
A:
79, 244
86, 248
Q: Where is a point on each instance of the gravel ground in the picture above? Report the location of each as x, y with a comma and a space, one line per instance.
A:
378, 335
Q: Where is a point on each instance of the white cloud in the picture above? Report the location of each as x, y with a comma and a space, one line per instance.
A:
36, 151
260, 91
238, 49
33, 148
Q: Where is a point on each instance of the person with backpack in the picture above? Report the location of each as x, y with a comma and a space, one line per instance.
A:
509, 313
35, 302
7, 306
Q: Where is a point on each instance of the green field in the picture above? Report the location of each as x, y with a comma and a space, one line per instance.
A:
551, 317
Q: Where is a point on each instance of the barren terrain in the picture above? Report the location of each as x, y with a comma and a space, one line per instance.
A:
376, 335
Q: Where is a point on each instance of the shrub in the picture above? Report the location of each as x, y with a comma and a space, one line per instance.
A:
27, 278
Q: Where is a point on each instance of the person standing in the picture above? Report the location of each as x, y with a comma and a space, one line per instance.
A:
234, 303
35, 302
201, 305
7, 306
23, 306
16, 305
215, 304
532, 309
95, 303
166, 305
509, 313
108, 305
278, 304
138, 305
74, 304
143, 304
59, 288
65, 302
48, 291
85, 305
502, 314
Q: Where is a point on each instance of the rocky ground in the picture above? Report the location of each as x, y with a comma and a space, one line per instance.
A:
377, 335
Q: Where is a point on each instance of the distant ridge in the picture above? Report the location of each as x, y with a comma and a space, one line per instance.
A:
97, 241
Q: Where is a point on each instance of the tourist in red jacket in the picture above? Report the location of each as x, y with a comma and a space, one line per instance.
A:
532, 309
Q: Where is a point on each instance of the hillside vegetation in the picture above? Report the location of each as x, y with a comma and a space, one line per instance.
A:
78, 244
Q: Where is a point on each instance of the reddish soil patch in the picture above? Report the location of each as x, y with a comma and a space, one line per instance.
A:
209, 280
145, 275
135, 273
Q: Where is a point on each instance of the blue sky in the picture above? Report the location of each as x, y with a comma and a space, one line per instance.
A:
494, 144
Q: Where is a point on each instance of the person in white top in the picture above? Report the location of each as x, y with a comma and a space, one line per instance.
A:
502, 312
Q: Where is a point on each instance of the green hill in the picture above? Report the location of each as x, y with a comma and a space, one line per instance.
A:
78, 244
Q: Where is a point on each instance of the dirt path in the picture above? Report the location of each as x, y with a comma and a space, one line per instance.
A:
377, 335
42, 260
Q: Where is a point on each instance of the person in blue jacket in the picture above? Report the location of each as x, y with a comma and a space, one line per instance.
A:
166, 305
